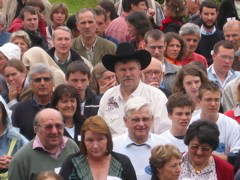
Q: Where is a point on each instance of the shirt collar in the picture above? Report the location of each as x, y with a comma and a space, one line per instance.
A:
37, 144
229, 75
35, 103
135, 93
129, 142
59, 61
93, 45
204, 32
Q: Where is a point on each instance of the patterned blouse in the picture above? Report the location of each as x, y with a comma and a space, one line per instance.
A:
188, 172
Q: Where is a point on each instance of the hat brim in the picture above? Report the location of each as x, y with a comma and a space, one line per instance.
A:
143, 56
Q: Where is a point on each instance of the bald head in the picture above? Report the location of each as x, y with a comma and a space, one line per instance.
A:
153, 74
231, 31
47, 113
48, 126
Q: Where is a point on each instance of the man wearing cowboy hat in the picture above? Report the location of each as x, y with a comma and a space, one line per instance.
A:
127, 65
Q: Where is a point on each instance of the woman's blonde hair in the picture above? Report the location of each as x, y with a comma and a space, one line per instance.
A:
21, 34
161, 154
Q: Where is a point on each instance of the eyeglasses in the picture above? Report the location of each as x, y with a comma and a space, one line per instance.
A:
49, 127
197, 147
38, 80
144, 120
151, 72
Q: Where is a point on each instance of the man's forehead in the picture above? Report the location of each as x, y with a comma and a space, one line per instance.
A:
60, 32
46, 74
86, 14
151, 40
126, 63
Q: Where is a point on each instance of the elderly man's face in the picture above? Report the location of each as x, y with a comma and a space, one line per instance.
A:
50, 129
87, 24
42, 84
139, 124
232, 34
192, 41
153, 74
62, 41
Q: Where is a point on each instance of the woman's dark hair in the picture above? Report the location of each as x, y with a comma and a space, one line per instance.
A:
109, 7
69, 91
4, 114
169, 37
206, 132
140, 21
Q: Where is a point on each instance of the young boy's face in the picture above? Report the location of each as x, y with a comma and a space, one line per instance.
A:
181, 117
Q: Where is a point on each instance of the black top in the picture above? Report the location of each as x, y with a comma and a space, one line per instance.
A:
207, 43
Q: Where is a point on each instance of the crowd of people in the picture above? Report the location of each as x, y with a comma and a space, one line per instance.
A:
130, 89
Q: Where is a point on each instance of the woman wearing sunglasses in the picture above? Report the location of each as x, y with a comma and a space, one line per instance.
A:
202, 138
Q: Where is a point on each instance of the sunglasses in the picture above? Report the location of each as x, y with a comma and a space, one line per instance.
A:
38, 80
50, 127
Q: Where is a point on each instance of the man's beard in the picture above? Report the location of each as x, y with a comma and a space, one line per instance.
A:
208, 26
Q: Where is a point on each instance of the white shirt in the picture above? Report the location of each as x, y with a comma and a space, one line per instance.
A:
138, 154
229, 139
70, 131
111, 108
170, 139
222, 84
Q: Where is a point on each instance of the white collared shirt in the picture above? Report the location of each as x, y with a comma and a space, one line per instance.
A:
111, 108
204, 32
138, 154
222, 84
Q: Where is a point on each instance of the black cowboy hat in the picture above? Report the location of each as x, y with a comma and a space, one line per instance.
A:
125, 52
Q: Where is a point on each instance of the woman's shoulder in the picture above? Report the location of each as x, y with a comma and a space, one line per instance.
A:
123, 159
223, 164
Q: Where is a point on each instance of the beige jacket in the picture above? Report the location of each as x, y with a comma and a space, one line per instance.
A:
37, 55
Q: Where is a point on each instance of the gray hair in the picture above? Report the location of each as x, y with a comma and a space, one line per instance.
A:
83, 10
40, 68
38, 116
136, 103
64, 28
231, 23
21, 34
189, 28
